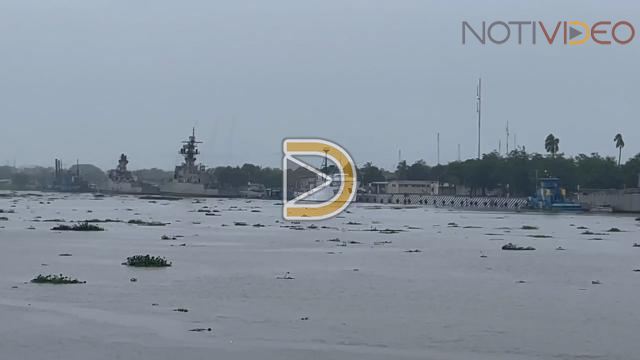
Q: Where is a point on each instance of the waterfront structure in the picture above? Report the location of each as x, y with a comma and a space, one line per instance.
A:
426, 187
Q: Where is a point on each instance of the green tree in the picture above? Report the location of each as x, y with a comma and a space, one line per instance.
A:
370, 173
552, 145
619, 145
402, 170
419, 171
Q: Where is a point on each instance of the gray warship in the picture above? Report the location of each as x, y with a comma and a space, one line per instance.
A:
190, 178
122, 181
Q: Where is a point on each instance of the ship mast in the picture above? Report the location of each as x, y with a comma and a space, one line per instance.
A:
190, 149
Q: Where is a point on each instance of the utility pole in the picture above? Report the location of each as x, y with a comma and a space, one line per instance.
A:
438, 141
479, 110
507, 137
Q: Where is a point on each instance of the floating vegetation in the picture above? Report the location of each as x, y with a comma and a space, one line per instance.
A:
147, 261
286, 276
103, 221
334, 240
200, 329
239, 223
511, 246
560, 248
614, 229
167, 237
329, 227
353, 223
472, 227
258, 225
181, 310
65, 254
582, 228
4, 218
78, 227
540, 236
452, 224
529, 227
55, 279
145, 223
636, 245
353, 242
389, 231
595, 282
413, 251
382, 242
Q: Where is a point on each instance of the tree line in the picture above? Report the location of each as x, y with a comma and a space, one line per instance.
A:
516, 172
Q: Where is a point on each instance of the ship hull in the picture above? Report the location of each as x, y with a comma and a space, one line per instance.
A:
127, 189
188, 189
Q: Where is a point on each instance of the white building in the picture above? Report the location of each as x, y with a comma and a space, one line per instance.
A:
420, 187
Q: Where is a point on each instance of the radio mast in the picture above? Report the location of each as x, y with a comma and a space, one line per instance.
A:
479, 110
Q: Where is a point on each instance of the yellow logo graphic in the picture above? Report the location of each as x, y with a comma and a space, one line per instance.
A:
292, 209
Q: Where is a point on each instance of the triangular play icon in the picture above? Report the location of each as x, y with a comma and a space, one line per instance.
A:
573, 32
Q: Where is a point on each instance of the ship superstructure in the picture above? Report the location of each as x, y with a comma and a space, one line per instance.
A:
120, 174
122, 181
190, 178
190, 172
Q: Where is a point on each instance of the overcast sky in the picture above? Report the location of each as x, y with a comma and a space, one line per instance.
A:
92, 79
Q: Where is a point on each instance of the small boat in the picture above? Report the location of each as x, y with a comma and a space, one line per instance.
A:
550, 196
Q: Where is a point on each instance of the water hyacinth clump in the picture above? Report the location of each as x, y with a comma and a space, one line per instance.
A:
85, 226
529, 227
146, 223
55, 279
147, 261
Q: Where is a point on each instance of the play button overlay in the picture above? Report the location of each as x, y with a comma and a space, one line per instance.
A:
574, 33
316, 194
579, 32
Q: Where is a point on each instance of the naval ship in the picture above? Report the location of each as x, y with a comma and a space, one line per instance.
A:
122, 181
189, 178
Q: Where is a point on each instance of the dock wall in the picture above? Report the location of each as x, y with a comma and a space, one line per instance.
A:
482, 202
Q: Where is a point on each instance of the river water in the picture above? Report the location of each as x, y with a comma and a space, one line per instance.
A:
354, 292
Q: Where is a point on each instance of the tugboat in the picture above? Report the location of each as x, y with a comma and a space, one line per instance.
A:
189, 178
122, 181
551, 197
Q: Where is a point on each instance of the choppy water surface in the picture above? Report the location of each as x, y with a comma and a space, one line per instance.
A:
362, 296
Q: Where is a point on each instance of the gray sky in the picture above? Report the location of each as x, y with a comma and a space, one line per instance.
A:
91, 79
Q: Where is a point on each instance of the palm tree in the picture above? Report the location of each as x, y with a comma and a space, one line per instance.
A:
619, 144
552, 144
